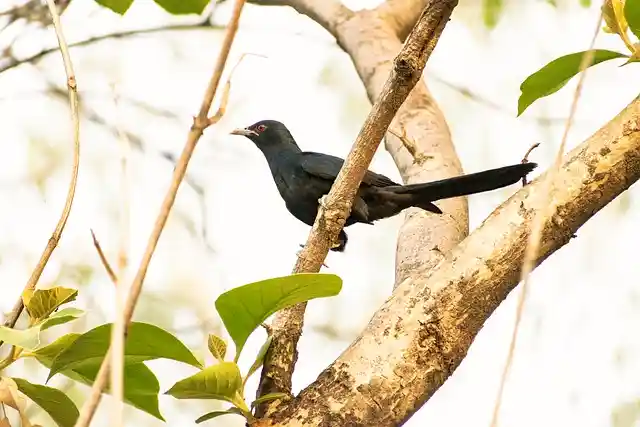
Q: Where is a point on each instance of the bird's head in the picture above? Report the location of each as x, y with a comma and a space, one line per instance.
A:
267, 133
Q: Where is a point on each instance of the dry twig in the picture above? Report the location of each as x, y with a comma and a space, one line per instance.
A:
525, 159
545, 209
200, 123
62, 222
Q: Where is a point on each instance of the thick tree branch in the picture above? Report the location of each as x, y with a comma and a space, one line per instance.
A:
405, 73
401, 15
420, 335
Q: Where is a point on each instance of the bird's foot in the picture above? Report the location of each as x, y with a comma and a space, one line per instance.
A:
298, 254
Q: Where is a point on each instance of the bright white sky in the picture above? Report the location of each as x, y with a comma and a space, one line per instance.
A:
575, 359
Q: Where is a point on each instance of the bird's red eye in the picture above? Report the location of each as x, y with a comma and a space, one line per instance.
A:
261, 128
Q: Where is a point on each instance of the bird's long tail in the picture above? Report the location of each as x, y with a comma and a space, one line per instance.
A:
422, 195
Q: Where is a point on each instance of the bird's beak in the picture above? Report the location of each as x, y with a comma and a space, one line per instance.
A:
244, 132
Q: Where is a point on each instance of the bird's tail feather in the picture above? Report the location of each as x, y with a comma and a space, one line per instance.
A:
425, 193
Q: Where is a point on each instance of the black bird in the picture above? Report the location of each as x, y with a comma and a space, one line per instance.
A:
303, 177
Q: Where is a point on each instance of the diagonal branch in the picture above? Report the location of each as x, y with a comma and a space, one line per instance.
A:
62, 222
406, 72
419, 336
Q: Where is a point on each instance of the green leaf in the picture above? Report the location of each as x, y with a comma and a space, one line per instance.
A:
63, 316
29, 339
260, 357
217, 347
269, 397
585, 3
491, 11
24, 338
118, 6
141, 387
42, 302
553, 76
55, 403
144, 342
216, 414
244, 308
221, 381
632, 14
182, 7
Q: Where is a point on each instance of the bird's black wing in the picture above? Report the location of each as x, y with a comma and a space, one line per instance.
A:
327, 167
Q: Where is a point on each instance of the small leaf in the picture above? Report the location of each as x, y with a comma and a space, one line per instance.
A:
585, 3
217, 347
269, 397
63, 316
244, 308
24, 338
141, 387
632, 14
144, 342
118, 6
216, 414
221, 381
613, 15
182, 7
260, 357
491, 11
54, 402
553, 76
42, 302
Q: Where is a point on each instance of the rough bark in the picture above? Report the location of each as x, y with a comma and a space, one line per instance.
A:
420, 335
400, 78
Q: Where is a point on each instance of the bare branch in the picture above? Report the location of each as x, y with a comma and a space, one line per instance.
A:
200, 123
401, 15
408, 67
62, 222
14, 62
103, 259
328, 13
419, 336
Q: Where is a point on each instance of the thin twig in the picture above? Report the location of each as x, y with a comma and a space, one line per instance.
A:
62, 222
525, 159
537, 224
200, 123
103, 259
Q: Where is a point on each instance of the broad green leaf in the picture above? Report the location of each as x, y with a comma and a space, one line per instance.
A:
221, 381
118, 6
217, 347
182, 7
24, 338
54, 402
269, 397
553, 76
632, 14
215, 414
491, 11
40, 303
244, 308
613, 15
141, 387
63, 316
260, 357
144, 342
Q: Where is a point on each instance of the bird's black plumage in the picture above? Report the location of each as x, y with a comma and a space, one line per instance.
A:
303, 177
